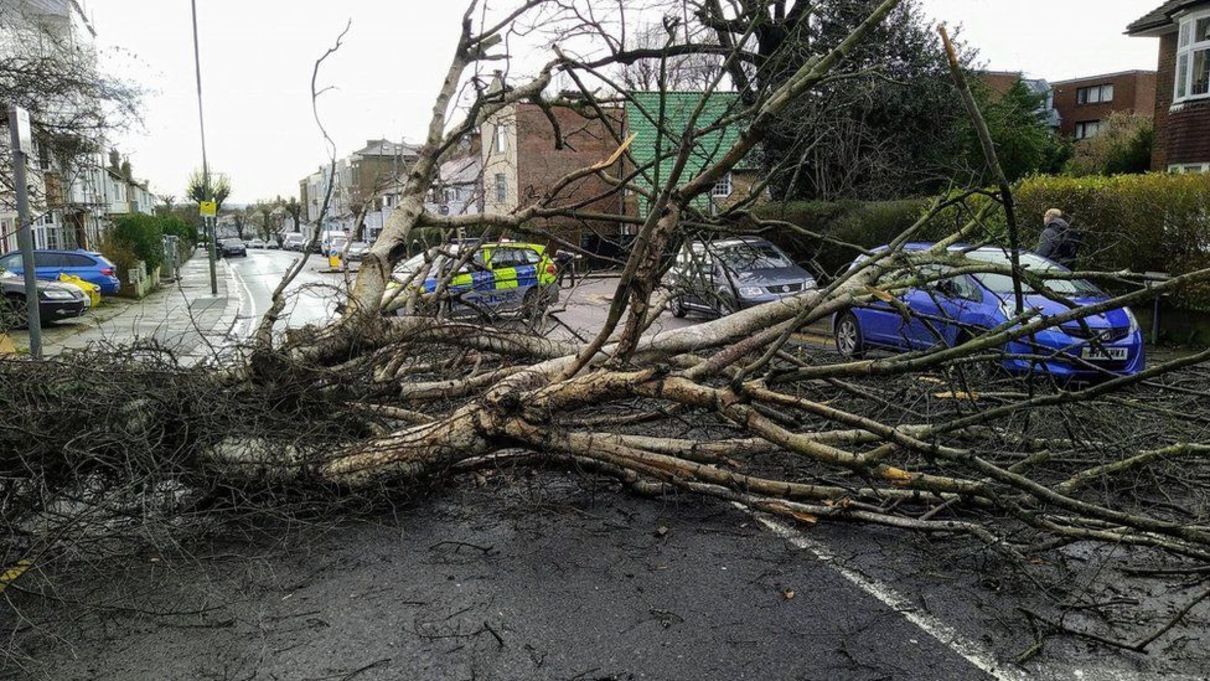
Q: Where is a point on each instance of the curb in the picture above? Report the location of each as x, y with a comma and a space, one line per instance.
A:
226, 321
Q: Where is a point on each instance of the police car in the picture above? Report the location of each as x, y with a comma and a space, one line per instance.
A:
493, 277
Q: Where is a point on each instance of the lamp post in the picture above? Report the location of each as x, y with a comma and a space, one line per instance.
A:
207, 222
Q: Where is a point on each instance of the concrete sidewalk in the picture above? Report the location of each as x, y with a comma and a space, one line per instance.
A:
182, 316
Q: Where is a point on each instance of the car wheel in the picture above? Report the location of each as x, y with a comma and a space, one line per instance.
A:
678, 307
849, 340
12, 312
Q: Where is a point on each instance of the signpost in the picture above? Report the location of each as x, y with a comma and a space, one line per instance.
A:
23, 145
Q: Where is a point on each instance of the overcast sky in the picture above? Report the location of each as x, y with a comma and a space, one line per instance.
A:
257, 57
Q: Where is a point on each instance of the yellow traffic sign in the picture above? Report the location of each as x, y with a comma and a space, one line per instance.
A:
209, 209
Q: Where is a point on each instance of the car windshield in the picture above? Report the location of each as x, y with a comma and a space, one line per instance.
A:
752, 256
413, 264
233, 242
1002, 283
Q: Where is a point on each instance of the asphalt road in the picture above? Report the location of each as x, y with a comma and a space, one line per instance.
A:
310, 299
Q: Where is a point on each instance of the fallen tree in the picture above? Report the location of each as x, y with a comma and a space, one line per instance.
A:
377, 405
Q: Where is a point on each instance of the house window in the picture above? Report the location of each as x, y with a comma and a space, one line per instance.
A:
722, 188
501, 137
1182, 168
1193, 58
1086, 129
1097, 94
501, 188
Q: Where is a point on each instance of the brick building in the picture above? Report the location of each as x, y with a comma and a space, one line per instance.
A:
521, 164
1083, 104
1182, 101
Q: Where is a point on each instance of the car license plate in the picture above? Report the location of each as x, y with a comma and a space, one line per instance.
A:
1105, 354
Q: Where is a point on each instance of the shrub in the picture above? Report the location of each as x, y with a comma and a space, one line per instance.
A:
175, 226
862, 223
120, 254
143, 235
1122, 146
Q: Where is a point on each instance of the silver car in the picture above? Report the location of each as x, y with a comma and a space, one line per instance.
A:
724, 276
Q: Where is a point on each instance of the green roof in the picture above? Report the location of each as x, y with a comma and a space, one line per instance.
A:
642, 119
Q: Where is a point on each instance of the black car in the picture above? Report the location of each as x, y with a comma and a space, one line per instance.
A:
728, 275
232, 247
56, 300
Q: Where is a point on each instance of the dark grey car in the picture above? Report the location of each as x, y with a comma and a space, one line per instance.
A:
56, 300
721, 277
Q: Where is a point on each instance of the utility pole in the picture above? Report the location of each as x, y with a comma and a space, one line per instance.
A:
207, 222
19, 131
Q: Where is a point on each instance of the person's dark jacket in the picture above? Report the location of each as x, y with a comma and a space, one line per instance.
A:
1059, 242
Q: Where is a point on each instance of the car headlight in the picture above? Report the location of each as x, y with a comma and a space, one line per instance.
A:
57, 294
1134, 323
750, 291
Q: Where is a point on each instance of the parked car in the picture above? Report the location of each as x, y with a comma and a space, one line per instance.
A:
50, 264
56, 300
293, 242
232, 247
958, 307
721, 277
504, 276
272, 244
255, 243
357, 251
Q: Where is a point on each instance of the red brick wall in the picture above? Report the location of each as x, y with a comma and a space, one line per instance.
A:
1181, 135
540, 166
1128, 91
1165, 77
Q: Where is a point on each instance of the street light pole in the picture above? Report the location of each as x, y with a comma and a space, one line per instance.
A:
207, 222
18, 125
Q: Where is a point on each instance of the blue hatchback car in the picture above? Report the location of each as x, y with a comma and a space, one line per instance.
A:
955, 308
87, 265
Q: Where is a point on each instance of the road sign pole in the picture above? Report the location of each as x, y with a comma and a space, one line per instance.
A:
213, 256
18, 124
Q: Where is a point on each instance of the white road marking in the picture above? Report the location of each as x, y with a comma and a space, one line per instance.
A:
970, 651
246, 314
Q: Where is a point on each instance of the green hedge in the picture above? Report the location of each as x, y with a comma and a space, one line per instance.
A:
143, 235
173, 225
1141, 223
862, 223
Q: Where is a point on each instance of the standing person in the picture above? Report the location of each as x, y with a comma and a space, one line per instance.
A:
1059, 241
566, 264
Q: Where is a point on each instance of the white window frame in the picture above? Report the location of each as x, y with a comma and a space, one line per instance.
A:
1081, 132
1187, 52
1183, 168
501, 137
501, 188
1095, 94
723, 188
